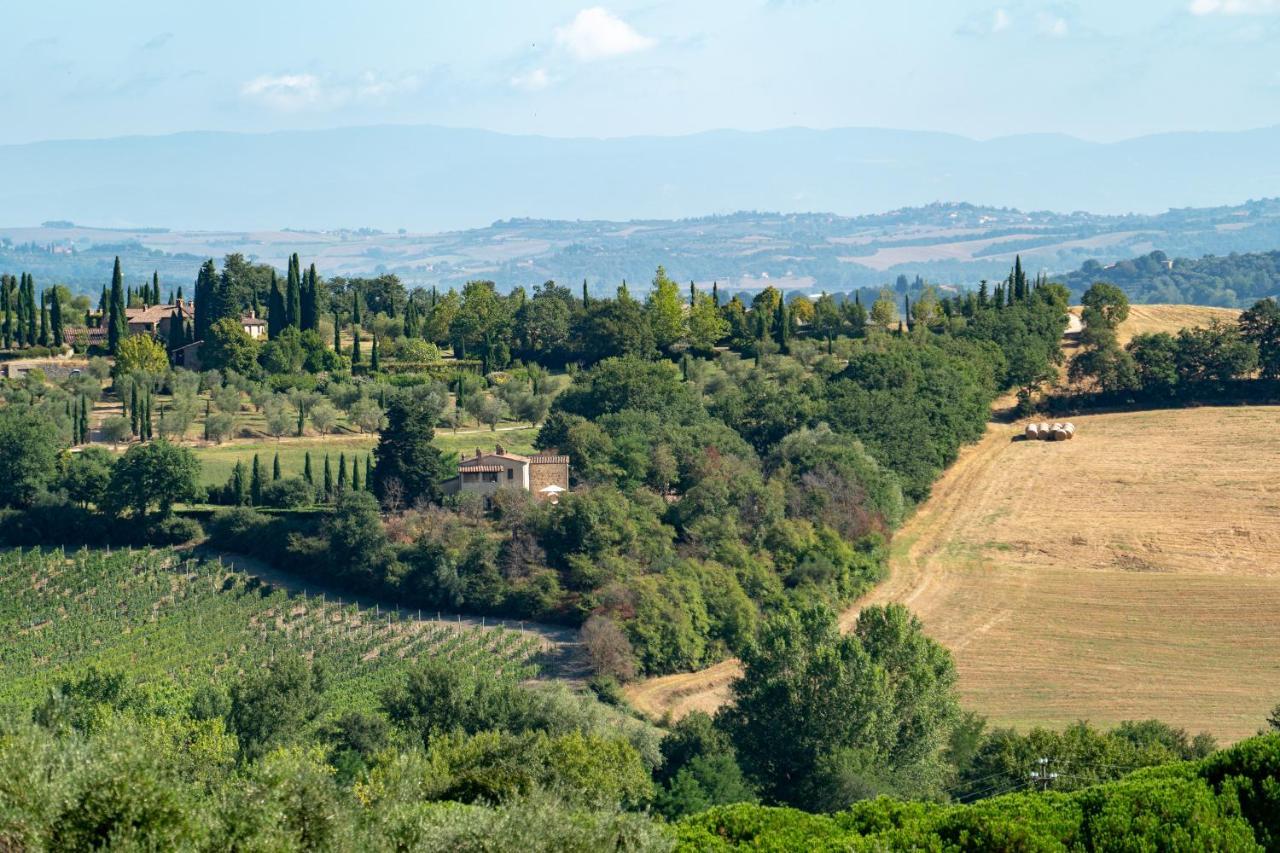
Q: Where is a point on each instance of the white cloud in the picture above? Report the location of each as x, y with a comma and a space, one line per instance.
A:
532, 81
1000, 21
1234, 7
293, 92
1053, 26
597, 33
285, 91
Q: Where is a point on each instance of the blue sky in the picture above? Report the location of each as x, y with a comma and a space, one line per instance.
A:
1098, 69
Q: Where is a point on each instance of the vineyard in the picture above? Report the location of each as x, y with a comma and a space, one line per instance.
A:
175, 624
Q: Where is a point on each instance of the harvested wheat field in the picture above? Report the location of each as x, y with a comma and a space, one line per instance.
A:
1144, 319
1133, 572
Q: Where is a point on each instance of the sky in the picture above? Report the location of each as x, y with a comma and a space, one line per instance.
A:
1097, 69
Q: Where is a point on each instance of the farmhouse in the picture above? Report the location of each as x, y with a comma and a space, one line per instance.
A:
545, 476
158, 319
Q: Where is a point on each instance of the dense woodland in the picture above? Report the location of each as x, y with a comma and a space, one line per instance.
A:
738, 472
1231, 281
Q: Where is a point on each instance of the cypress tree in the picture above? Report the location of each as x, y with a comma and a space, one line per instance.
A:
982, 294
586, 298
255, 482
328, 478
373, 355
293, 294
239, 488
155, 287
84, 419
311, 300
275, 467
276, 319
55, 318
342, 472
337, 329
693, 294
715, 293
302, 420
355, 344
781, 326
306, 468
205, 296
6, 285
355, 476
21, 298
148, 423
44, 319
135, 423
906, 308
117, 328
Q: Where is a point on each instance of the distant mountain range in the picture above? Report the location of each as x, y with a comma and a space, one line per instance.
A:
944, 243
425, 178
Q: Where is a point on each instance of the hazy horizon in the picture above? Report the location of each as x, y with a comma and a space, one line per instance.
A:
1095, 71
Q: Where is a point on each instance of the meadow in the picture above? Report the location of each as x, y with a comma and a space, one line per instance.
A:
218, 460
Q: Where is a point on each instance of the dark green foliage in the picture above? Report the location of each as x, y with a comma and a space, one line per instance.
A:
154, 475
117, 324
824, 720
28, 456
409, 466
273, 706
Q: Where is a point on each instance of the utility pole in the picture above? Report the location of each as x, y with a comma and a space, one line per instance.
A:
1043, 776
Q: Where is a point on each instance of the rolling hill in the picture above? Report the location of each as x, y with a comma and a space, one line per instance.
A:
438, 178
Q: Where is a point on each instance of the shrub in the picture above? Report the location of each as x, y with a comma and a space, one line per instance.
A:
174, 530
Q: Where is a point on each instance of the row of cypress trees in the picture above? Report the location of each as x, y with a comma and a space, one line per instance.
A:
247, 482
25, 324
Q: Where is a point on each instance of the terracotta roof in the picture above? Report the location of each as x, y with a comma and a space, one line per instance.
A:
252, 321
484, 469
548, 460
155, 313
473, 460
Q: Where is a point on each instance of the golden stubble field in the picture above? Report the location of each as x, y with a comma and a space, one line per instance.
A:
1169, 318
1133, 572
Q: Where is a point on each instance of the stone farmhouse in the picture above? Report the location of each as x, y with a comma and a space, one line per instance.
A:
545, 476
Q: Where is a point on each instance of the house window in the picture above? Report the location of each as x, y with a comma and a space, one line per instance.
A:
490, 476
511, 473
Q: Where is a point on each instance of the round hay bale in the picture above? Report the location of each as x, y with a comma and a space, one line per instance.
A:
1032, 432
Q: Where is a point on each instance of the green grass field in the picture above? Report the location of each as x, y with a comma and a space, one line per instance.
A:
217, 462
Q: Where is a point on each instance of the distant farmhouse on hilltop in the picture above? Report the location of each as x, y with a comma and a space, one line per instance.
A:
546, 477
